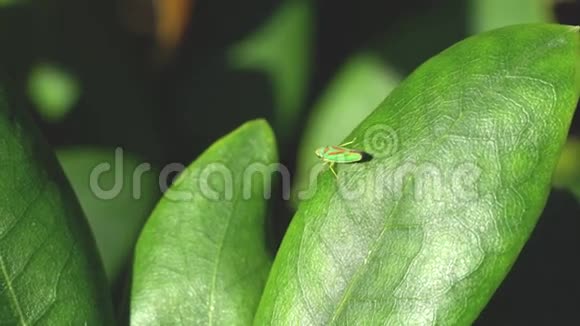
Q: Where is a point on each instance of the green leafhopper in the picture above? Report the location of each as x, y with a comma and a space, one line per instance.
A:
339, 154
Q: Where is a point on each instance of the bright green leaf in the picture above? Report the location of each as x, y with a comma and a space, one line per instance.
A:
282, 49
202, 253
49, 268
359, 87
423, 233
117, 193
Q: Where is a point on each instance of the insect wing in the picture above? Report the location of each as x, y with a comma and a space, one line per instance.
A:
343, 155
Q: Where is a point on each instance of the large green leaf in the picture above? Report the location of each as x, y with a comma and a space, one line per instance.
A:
423, 233
202, 254
50, 272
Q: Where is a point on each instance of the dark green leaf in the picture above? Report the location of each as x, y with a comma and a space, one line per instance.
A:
202, 253
49, 268
423, 233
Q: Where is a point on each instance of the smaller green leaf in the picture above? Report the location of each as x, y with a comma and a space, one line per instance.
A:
202, 254
361, 84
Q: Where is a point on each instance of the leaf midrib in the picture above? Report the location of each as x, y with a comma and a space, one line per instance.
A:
11, 292
217, 264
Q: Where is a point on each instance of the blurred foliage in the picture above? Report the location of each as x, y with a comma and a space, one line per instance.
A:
53, 91
116, 221
9, 2
261, 74
282, 49
486, 15
438, 26
82, 38
567, 174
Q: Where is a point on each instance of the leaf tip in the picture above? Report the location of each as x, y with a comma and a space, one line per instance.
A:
259, 125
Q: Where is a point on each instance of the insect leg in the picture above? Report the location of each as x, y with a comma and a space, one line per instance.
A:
331, 166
